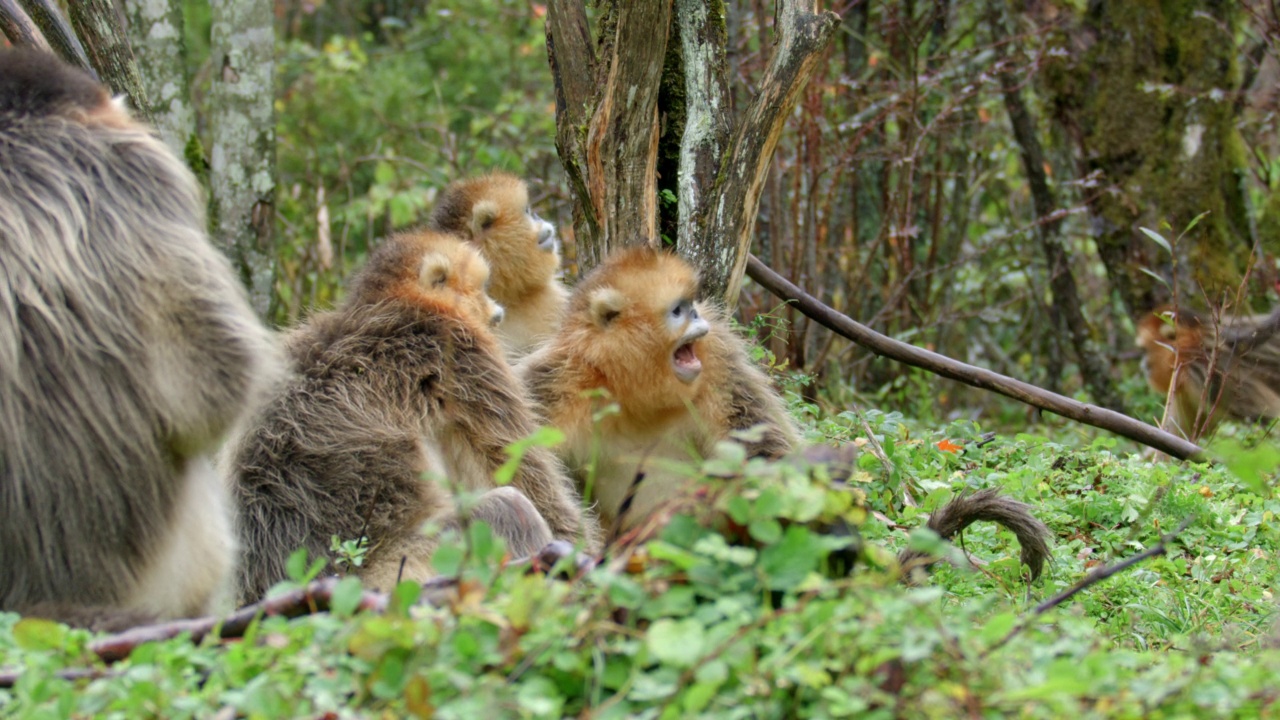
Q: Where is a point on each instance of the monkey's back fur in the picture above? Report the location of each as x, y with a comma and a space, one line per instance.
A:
127, 350
393, 384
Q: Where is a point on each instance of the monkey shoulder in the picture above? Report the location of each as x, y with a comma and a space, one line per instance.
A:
745, 398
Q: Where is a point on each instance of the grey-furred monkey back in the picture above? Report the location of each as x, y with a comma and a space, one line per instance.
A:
127, 351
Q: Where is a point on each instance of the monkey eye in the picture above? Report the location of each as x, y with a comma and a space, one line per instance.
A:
683, 308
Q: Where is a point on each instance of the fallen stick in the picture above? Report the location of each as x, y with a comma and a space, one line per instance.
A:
1094, 577
847, 327
312, 598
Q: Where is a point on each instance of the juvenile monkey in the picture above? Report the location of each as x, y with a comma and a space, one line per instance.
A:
398, 396
682, 381
127, 351
1228, 368
678, 373
493, 212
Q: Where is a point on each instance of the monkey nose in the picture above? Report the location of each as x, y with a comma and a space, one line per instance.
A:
547, 237
498, 314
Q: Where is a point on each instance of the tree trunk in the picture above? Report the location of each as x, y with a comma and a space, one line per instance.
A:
242, 151
57, 32
99, 28
1062, 282
610, 113
1149, 101
155, 31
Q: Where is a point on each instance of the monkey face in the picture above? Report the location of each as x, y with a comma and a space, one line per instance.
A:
494, 213
635, 321
454, 271
687, 326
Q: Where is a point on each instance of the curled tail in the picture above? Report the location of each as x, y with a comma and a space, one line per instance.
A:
990, 505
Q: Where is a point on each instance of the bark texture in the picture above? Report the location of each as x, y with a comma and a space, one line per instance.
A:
98, 26
155, 31
1172, 152
57, 32
18, 28
613, 102
242, 150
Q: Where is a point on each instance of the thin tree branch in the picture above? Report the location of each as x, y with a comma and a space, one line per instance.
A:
315, 597
19, 29
58, 32
977, 377
1066, 297
1096, 576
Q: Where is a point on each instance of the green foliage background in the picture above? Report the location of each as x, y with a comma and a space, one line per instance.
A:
377, 113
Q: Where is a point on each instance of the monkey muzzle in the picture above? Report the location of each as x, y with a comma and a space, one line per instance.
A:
684, 361
546, 237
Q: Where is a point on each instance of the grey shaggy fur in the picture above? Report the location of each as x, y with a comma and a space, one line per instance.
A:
339, 450
127, 347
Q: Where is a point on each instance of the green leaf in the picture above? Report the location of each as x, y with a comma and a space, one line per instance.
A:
787, 563
447, 559
1158, 239
346, 596
676, 642
39, 634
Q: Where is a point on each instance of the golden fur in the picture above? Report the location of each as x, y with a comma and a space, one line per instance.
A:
1228, 368
398, 397
493, 212
620, 335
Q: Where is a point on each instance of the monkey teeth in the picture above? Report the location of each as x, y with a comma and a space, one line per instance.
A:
686, 364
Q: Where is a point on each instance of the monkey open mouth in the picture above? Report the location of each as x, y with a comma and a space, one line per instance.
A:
684, 361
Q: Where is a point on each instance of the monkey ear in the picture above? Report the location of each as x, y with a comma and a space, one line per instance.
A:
120, 103
606, 304
483, 216
435, 270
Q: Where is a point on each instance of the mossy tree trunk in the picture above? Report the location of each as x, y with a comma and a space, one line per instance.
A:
1147, 89
242, 148
651, 90
155, 31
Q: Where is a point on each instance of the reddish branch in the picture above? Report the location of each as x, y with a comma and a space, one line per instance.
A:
315, 597
968, 374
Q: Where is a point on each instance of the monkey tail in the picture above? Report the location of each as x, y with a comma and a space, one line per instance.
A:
990, 505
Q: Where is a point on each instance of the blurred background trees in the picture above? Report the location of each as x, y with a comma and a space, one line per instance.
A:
967, 176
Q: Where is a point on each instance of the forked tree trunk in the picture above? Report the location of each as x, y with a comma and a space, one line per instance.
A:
610, 115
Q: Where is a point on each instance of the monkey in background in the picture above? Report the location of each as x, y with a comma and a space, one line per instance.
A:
1216, 369
128, 349
682, 381
493, 212
398, 396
